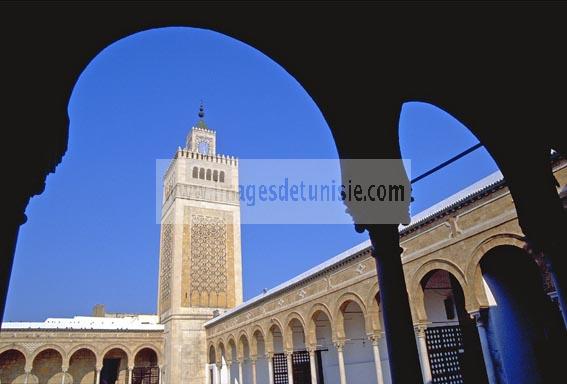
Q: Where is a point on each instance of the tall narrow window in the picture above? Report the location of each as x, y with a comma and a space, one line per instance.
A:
221, 178
215, 175
208, 174
202, 173
195, 172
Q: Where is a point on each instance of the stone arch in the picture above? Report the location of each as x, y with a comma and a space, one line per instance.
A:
231, 345
121, 347
153, 348
242, 338
311, 331
473, 273
221, 350
45, 347
44, 365
373, 323
338, 318
211, 354
82, 362
270, 343
76, 348
13, 364
416, 291
288, 332
18, 348
257, 329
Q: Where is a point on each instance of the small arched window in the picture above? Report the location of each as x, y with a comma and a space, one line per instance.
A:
202, 173
195, 172
221, 178
215, 175
208, 174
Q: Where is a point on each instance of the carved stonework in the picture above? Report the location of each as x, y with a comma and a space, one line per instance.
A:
167, 240
208, 260
208, 254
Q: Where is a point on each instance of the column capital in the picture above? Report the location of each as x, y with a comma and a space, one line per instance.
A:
269, 355
480, 317
130, 367
64, 369
27, 370
311, 349
420, 329
98, 368
375, 339
253, 358
339, 344
288, 352
229, 363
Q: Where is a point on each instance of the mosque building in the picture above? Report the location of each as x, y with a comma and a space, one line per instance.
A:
475, 322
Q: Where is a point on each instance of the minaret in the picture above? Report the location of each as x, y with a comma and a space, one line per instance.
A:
200, 259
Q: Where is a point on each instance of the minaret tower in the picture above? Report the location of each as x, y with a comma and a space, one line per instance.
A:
200, 259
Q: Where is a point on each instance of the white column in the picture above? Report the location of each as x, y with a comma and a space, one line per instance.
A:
253, 361
480, 318
423, 355
64, 370
97, 375
228, 365
219, 373
312, 366
375, 339
269, 357
240, 373
27, 376
340, 345
160, 374
130, 370
289, 358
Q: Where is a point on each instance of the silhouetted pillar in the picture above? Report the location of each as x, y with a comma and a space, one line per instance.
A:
394, 301
269, 357
423, 355
480, 318
312, 366
289, 358
340, 345
375, 339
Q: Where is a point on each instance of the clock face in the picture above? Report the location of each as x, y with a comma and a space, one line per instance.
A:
203, 147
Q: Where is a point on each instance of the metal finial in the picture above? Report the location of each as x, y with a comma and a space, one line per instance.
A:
201, 111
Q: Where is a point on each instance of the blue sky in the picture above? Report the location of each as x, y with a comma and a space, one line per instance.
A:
92, 237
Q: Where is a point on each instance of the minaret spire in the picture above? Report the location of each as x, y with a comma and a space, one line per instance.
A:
201, 123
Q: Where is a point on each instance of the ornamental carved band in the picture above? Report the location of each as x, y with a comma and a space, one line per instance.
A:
166, 255
208, 275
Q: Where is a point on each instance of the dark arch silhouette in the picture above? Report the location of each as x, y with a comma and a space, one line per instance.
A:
490, 67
